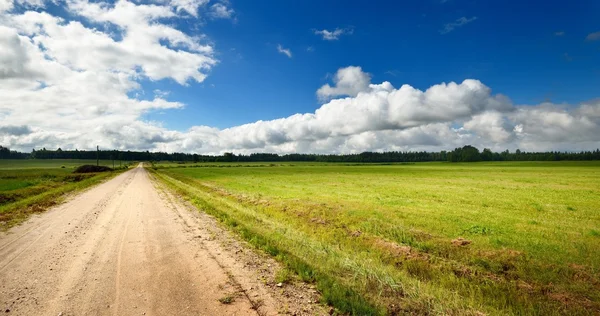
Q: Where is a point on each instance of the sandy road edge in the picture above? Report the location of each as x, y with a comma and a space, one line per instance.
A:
252, 271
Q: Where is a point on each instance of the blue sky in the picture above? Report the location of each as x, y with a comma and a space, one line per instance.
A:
512, 47
214, 76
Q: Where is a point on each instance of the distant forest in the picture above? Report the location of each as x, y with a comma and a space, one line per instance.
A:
463, 154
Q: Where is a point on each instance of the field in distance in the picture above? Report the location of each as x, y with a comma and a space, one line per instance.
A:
480, 238
31, 186
8, 164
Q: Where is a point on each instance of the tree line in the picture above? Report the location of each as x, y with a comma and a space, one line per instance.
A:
463, 154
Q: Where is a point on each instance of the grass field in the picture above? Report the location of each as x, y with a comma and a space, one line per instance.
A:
429, 238
11, 164
31, 186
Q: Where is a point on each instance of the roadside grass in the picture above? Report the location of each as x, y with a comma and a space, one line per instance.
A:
27, 189
430, 238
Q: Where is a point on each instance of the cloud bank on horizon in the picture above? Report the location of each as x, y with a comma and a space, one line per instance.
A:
72, 84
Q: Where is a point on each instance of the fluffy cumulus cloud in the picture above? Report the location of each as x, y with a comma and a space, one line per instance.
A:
371, 117
348, 81
375, 117
221, 11
69, 83
73, 84
189, 6
6, 5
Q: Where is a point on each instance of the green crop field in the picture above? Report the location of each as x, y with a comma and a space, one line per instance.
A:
7, 164
430, 238
31, 186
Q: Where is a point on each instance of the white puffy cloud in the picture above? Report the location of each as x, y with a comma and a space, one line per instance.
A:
189, 6
13, 55
221, 11
547, 124
349, 81
492, 125
372, 110
141, 45
67, 84
6, 5
380, 117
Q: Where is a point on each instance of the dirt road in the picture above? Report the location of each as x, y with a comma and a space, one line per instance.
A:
126, 248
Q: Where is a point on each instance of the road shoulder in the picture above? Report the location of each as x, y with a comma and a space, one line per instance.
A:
251, 272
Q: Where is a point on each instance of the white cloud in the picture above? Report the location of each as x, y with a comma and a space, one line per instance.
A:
335, 34
140, 48
550, 123
349, 81
493, 126
13, 56
189, 6
449, 27
380, 108
68, 85
6, 5
221, 11
285, 51
381, 117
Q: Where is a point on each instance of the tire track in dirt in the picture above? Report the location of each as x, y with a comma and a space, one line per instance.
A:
119, 257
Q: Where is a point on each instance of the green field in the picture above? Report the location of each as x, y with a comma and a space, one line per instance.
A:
429, 238
8, 164
31, 186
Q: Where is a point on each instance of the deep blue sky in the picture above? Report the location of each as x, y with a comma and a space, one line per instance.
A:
512, 47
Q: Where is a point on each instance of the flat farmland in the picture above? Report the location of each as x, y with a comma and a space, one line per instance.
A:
11, 164
428, 238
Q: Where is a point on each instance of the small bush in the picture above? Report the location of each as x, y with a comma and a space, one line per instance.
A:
6, 198
91, 169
